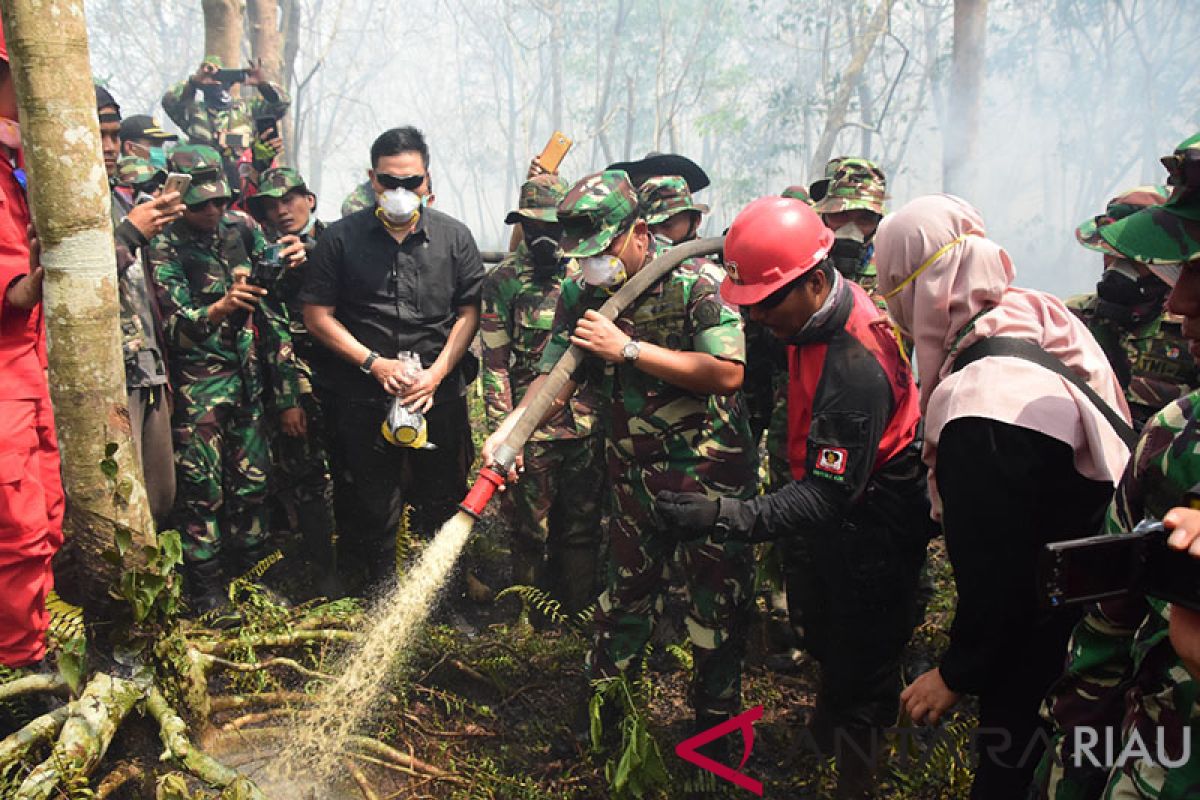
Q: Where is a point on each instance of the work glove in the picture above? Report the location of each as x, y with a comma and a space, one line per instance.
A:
687, 515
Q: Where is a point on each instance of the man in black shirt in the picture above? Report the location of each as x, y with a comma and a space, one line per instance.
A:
397, 277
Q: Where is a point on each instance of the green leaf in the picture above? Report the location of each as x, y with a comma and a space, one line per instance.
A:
595, 723
109, 468
112, 557
111, 449
124, 538
72, 667
124, 489
170, 547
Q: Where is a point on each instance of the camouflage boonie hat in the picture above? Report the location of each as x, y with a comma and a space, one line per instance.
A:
540, 196
797, 192
857, 184
1121, 206
664, 196
1161, 237
213, 60
596, 211
817, 189
137, 172
204, 165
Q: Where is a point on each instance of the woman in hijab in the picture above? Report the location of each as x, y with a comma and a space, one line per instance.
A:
1018, 456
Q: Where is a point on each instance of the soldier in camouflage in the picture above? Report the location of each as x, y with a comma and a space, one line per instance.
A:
556, 506
669, 369
217, 118
797, 192
669, 210
300, 479
1124, 680
138, 216
852, 206
363, 196
1127, 315
218, 325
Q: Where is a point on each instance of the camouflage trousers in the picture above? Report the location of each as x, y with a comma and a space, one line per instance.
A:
779, 473
719, 583
221, 462
556, 510
300, 477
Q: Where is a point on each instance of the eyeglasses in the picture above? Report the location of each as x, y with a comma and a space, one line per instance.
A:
410, 182
221, 202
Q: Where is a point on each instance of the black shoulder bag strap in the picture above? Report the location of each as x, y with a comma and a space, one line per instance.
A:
1020, 348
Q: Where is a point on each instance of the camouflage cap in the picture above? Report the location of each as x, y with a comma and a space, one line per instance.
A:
1183, 167
1121, 206
596, 211
664, 196
213, 60
540, 196
797, 192
1161, 237
275, 182
817, 189
857, 184
203, 163
137, 172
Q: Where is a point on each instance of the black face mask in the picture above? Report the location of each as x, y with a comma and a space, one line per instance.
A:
1128, 301
847, 255
546, 256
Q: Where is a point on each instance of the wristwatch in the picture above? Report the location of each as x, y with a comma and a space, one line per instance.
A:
631, 351
365, 366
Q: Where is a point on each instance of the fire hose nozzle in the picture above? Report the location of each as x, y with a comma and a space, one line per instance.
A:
486, 484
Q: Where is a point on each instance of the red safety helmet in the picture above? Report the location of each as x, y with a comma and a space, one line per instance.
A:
3, 46
773, 241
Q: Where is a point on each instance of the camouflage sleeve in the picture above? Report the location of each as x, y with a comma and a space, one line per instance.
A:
274, 101
280, 355
566, 313
185, 318
129, 241
716, 328
179, 103
495, 331
1091, 691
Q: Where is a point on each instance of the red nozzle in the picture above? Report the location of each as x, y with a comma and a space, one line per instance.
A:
485, 486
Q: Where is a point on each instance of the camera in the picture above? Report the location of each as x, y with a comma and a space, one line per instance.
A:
268, 268
1100, 567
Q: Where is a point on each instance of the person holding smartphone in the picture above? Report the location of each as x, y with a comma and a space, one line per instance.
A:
206, 107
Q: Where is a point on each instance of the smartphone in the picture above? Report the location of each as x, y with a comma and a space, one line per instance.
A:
264, 124
230, 76
554, 151
177, 182
1096, 568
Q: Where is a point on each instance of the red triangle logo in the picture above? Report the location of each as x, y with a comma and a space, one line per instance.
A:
743, 722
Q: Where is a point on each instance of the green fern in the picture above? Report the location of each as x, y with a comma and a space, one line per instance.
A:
534, 599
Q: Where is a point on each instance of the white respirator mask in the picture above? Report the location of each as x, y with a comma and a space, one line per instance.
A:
399, 205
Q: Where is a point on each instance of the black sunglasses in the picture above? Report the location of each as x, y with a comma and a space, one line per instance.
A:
410, 182
203, 204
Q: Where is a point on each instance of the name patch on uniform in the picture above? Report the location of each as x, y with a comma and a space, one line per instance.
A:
832, 460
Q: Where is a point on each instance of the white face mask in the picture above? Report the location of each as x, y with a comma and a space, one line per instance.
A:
605, 271
852, 232
399, 205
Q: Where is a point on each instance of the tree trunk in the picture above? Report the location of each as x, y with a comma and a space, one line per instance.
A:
290, 12
835, 120
960, 149
266, 41
68, 193
223, 30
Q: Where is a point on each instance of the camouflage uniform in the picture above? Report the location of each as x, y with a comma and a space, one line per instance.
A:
1122, 673
858, 184
662, 437
797, 193
229, 130
1149, 355
300, 477
362, 197
221, 448
664, 196
556, 505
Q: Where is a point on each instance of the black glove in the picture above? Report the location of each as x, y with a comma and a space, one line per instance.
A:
687, 515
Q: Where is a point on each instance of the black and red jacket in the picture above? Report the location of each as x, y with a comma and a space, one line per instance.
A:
853, 422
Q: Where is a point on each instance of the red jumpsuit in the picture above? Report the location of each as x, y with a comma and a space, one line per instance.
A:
31, 494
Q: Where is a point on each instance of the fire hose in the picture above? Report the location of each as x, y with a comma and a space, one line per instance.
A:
492, 476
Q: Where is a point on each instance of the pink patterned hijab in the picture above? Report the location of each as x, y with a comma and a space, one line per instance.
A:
949, 286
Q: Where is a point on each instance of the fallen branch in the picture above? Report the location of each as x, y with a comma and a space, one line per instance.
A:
294, 639
122, 774
33, 684
256, 718
37, 732
173, 733
233, 702
210, 661
373, 747
415, 721
86, 734
363, 785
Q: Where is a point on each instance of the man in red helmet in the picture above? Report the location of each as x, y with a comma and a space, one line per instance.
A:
31, 496
854, 519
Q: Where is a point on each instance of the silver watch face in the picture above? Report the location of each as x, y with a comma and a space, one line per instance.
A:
631, 350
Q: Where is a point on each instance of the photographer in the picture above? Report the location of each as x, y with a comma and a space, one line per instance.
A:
1132, 662
1019, 456
218, 117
